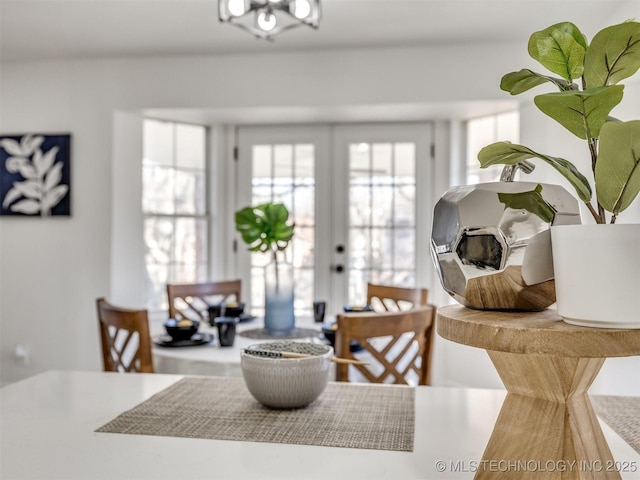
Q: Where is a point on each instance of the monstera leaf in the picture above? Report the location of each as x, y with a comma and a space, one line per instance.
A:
618, 168
264, 227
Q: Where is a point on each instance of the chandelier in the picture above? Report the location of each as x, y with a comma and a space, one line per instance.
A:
266, 18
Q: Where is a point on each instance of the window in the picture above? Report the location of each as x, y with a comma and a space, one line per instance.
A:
174, 204
482, 132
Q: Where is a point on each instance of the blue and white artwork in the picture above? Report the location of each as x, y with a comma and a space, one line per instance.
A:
35, 175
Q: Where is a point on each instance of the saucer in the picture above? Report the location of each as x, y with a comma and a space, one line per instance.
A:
197, 339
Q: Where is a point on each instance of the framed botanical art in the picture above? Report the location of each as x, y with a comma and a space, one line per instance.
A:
35, 175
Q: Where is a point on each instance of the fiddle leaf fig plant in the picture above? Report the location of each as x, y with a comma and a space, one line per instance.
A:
265, 227
588, 90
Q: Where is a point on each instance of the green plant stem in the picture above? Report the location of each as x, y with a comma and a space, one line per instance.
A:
595, 215
275, 263
598, 216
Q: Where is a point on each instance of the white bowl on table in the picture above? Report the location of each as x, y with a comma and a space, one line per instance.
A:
286, 382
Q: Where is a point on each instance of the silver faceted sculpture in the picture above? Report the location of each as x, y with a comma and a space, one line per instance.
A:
491, 256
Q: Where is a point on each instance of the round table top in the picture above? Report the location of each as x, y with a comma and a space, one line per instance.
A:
536, 333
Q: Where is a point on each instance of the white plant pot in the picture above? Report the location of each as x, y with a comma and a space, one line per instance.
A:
597, 274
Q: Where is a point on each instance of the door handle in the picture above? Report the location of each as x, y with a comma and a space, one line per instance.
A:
337, 268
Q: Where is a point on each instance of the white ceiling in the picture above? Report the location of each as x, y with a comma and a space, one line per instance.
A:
56, 29
39, 29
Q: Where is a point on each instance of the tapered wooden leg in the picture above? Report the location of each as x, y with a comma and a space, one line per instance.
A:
547, 428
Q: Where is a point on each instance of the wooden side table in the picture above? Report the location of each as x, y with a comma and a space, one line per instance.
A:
546, 422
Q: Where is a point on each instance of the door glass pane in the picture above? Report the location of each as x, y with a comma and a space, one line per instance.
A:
285, 173
381, 216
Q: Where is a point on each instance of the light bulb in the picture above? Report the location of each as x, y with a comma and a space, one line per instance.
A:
236, 7
266, 21
302, 9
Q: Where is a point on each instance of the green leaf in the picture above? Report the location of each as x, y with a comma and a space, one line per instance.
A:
511, 154
614, 54
264, 227
582, 113
518, 82
560, 48
618, 166
531, 201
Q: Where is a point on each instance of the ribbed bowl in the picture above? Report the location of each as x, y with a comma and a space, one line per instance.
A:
287, 382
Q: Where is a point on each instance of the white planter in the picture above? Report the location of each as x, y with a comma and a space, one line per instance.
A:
597, 274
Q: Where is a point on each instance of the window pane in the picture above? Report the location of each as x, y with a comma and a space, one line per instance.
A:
404, 244
190, 146
405, 162
283, 162
302, 247
381, 163
305, 164
305, 203
359, 206
261, 161
382, 206
482, 132
405, 205
381, 249
190, 192
157, 142
158, 185
360, 243
359, 169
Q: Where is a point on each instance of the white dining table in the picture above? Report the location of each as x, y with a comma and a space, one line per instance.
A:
211, 358
49, 422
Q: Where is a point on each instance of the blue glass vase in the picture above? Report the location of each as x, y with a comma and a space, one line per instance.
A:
278, 302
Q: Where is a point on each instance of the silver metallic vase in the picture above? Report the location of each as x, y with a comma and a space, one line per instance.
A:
491, 256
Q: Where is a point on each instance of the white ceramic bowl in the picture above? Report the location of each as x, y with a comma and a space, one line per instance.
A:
286, 382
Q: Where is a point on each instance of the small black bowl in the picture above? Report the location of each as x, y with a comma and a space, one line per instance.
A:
180, 330
228, 309
233, 309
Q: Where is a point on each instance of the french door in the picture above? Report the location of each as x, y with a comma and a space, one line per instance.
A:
359, 196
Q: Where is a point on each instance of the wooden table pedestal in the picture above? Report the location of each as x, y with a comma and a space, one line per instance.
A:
547, 428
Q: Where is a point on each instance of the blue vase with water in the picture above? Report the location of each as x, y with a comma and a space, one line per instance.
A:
278, 312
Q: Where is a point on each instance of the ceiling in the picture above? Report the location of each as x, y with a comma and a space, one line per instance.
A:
78, 29
46, 29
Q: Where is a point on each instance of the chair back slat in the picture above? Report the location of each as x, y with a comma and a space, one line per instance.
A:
192, 300
125, 338
394, 299
389, 340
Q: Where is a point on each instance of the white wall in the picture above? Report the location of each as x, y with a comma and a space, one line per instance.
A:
52, 270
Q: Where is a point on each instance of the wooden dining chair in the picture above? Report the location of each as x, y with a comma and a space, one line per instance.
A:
393, 299
397, 345
125, 338
192, 300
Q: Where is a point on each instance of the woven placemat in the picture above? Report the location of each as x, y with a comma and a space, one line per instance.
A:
263, 334
379, 417
622, 414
